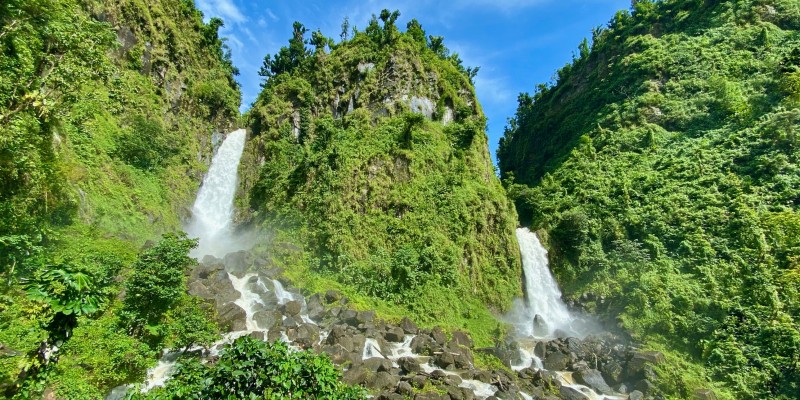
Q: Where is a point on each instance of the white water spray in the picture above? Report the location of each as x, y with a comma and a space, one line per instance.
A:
212, 213
542, 313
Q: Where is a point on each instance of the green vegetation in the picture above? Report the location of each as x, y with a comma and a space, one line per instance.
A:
663, 164
375, 164
106, 107
250, 368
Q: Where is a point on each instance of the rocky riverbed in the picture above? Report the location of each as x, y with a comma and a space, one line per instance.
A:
401, 360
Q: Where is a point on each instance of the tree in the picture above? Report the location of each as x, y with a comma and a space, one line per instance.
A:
288, 58
158, 281
345, 29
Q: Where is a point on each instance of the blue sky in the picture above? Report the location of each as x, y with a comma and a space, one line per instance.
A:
516, 43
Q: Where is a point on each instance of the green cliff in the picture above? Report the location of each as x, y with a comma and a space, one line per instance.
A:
370, 155
107, 110
663, 164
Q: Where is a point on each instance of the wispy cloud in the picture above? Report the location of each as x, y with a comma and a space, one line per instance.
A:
225, 9
493, 89
272, 15
505, 5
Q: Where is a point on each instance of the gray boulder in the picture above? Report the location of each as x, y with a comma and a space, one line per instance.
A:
593, 379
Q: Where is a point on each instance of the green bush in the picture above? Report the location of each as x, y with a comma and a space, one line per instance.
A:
250, 368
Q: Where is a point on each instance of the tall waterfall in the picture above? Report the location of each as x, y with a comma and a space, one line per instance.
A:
212, 212
542, 313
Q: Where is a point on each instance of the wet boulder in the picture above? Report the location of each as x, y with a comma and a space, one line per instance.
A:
291, 308
594, 380
378, 364
237, 263
573, 393
233, 316
394, 334
556, 361
409, 365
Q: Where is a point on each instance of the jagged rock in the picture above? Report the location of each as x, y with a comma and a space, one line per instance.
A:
438, 374
364, 317
444, 360
593, 379
462, 339
236, 262
291, 308
383, 380
422, 344
636, 395
556, 361
418, 381
233, 316
571, 393
637, 366
645, 386
349, 317
483, 376
356, 375
452, 380
258, 335
405, 389
612, 372
409, 364
390, 396
378, 364
539, 350
305, 335
408, 326
198, 289
395, 334
314, 307
332, 296
508, 352
289, 322
438, 336
338, 336
266, 319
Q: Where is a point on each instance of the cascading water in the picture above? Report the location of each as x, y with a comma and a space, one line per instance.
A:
542, 313
212, 213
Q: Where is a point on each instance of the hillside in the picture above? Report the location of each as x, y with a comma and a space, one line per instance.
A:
107, 110
369, 163
663, 165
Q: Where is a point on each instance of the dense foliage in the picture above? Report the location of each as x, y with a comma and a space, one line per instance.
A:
106, 107
664, 165
253, 369
374, 160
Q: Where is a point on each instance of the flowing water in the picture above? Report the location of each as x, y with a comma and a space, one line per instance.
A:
212, 213
541, 313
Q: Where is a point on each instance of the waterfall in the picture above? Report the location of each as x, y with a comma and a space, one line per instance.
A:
542, 313
212, 212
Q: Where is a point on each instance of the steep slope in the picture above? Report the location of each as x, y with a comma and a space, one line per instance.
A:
370, 155
664, 165
107, 110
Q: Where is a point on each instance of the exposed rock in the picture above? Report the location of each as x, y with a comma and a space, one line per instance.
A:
237, 262
378, 364
395, 334
556, 361
593, 379
638, 364
444, 360
636, 395
438, 336
291, 308
409, 364
645, 386
462, 339
539, 350
356, 375
405, 389
408, 326
571, 393
422, 344
612, 372
305, 335
233, 316
383, 380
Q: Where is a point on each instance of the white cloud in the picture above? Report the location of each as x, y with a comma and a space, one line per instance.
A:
262, 22
272, 15
505, 5
493, 90
224, 9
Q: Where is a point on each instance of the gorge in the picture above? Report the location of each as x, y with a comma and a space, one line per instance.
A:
349, 236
